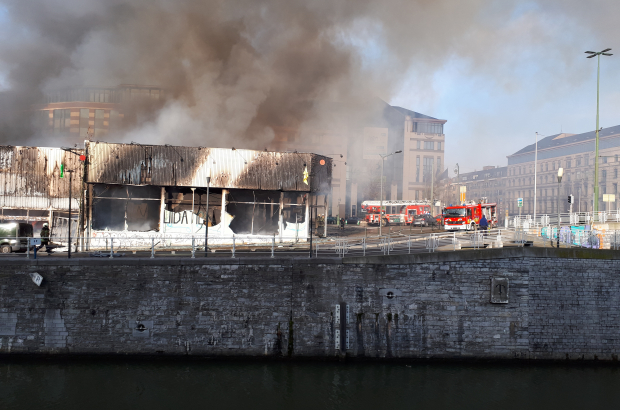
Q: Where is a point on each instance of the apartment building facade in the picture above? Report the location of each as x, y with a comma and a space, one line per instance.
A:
356, 148
91, 112
575, 154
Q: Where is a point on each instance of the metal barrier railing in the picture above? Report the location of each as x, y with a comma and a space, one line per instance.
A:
268, 246
574, 218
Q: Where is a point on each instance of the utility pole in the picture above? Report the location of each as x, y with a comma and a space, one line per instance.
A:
598, 76
458, 184
207, 214
535, 174
70, 200
432, 185
560, 173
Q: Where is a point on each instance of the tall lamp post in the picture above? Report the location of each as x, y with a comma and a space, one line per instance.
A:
207, 214
598, 76
70, 171
383, 157
535, 169
457, 169
193, 220
560, 173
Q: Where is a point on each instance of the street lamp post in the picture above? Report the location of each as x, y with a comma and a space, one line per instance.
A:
535, 174
207, 214
598, 76
458, 184
560, 173
383, 157
193, 220
70, 200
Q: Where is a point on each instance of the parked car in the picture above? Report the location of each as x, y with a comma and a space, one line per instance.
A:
14, 236
352, 220
331, 220
424, 220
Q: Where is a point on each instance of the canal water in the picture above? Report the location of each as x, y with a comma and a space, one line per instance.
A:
117, 385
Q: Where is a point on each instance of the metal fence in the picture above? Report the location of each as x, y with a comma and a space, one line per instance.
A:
398, 244
574, 218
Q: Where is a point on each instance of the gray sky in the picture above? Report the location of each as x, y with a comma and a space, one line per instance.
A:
498, 71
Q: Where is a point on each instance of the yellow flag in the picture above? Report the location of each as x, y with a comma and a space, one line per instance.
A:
306, 175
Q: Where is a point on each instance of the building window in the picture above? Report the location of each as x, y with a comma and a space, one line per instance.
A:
578, 162
115, 120
604, 160
418, 144
429, 145
417, 169
604, 174
62, 121
587, 161
428, 127
417, 194
438, 164
615, 172
616, 158
84, 112
568, 161
100, 131
439, 146
428, 169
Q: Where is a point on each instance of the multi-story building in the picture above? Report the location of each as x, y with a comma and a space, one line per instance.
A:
488, 185
575, 154
357, 147
91, 112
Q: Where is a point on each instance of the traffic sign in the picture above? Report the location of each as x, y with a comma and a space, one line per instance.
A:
520, 202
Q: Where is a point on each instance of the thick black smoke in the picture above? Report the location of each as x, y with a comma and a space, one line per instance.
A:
235, 70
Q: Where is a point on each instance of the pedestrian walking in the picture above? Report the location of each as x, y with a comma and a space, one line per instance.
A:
342, 224
45, 237
483, 223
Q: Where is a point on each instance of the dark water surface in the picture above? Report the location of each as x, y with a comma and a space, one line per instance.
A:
156, 384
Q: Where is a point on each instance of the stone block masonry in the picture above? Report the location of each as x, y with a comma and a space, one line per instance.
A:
561, 304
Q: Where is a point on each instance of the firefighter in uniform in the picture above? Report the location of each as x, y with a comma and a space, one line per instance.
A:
45, 237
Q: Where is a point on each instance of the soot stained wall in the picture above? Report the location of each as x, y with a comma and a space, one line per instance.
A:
557, 308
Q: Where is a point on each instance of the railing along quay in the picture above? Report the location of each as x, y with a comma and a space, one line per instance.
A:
396, 244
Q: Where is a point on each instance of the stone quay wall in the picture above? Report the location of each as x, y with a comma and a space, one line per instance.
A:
517, 303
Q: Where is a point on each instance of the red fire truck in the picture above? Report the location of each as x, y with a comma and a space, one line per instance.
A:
467, 216
394, 212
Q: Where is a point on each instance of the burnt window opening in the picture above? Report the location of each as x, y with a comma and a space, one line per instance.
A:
179, 201
294, 210
254, 212
116, 208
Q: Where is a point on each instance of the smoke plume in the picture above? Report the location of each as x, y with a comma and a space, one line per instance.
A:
235, 71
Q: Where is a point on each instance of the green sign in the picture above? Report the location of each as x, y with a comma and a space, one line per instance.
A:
520, 202
62, 170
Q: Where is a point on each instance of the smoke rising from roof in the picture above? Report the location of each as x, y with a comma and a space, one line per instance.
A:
235, 70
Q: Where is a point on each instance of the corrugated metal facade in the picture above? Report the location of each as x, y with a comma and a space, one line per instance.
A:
133, 164
30, 178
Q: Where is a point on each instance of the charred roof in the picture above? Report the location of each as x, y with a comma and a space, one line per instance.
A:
166, 165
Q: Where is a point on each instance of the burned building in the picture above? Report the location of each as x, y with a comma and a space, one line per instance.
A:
144, 190
34, 186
